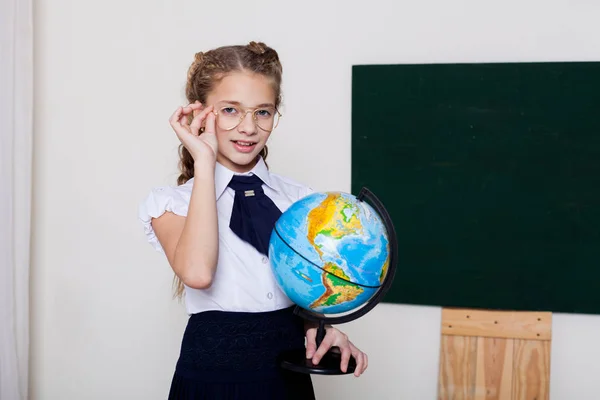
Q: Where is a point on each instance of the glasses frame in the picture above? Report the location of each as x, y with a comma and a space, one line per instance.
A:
245, 112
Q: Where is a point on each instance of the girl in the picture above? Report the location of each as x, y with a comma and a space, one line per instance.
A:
214, 229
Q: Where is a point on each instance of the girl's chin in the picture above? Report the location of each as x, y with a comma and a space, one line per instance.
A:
240, 162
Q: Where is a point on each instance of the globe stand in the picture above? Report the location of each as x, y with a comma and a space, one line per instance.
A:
295, 360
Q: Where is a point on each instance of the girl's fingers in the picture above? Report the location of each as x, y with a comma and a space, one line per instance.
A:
198, 119
196, 105
324, 347
210, 125
311, 345
192, 106
184, 120
180, 118
346, 353
175, 116
178, 122
360, 362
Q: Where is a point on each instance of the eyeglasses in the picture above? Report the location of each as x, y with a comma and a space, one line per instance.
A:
229, 117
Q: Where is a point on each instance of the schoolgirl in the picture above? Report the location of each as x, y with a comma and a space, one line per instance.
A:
214, 228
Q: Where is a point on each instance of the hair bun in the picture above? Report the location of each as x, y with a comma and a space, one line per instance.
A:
257, 47
267, 54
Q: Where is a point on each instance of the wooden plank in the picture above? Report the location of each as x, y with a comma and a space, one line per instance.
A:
500, 324
531, 371
494, 369
458, 360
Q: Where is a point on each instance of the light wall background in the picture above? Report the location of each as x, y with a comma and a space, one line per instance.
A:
108, 75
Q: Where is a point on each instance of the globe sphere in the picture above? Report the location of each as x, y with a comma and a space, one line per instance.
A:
330, 252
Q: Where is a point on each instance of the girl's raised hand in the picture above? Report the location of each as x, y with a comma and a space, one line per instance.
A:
200, 145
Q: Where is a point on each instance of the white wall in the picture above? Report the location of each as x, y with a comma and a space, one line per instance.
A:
108, 75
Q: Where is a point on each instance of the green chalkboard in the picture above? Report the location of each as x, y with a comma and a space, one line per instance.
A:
491, 173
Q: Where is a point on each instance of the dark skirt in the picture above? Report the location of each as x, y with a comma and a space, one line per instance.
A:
233, 355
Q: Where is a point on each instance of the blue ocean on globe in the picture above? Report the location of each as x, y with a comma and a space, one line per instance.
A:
329, 252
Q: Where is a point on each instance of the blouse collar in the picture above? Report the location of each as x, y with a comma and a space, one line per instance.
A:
223, 176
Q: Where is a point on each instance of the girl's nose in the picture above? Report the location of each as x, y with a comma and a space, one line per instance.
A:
248, 125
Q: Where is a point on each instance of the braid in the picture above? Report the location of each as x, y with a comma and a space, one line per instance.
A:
193, 71
195, 67
186, 165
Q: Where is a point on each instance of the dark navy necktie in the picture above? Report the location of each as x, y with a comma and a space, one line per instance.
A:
254, 214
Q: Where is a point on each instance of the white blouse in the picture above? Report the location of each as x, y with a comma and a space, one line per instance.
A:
243, 280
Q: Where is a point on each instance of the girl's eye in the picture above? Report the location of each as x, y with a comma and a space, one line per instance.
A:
264, 113
229, 110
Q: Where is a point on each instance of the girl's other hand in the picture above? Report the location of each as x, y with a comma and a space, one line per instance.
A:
335, 340
200, 145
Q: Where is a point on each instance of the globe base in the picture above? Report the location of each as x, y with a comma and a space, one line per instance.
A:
295, 360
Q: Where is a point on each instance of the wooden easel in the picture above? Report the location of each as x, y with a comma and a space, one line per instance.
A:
494, 355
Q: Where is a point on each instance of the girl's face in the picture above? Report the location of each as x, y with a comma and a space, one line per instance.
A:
251, 98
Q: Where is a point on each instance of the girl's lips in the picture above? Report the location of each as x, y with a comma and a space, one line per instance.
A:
243, 146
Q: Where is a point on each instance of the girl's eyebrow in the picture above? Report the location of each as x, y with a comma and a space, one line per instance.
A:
265, 105
237, 103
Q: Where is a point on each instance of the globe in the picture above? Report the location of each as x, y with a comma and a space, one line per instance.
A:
334, 255
330, 252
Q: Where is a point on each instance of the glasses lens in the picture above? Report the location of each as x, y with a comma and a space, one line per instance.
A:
267, 119
228, 118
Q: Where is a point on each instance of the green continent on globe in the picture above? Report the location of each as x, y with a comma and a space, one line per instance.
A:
337, 288
322, 220
384, 270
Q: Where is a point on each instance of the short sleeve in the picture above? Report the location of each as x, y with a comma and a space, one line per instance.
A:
159, 201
